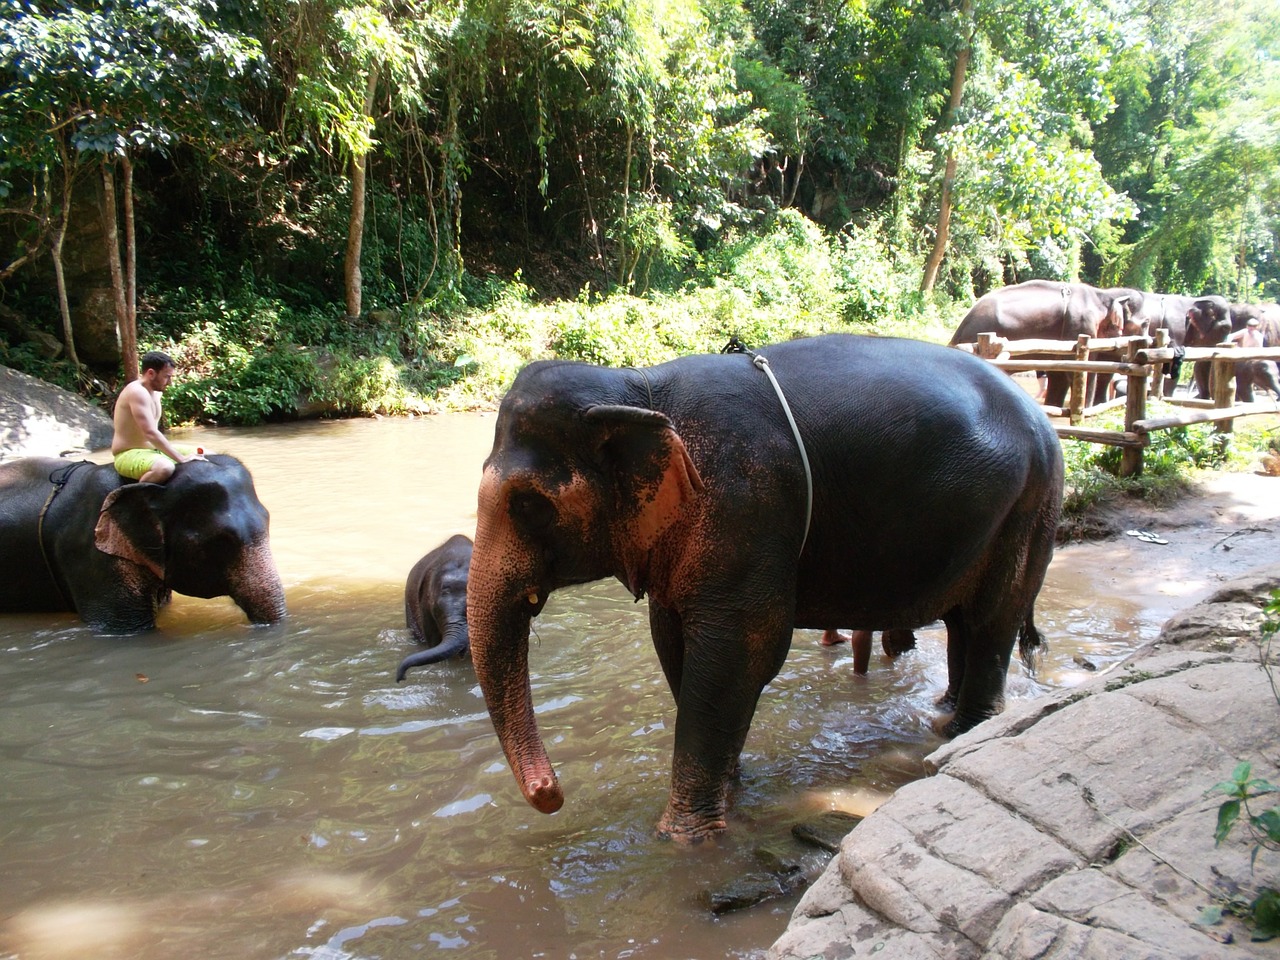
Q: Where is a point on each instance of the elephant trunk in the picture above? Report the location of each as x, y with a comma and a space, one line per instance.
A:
455, 643
500, 652
255, 585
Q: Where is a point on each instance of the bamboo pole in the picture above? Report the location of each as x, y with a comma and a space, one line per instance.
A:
1114, 438
1079, 381
1135, 409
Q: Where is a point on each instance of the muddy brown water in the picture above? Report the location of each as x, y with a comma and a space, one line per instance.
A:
213, 790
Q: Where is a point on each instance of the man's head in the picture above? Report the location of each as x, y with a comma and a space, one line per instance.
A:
157, 370
1252, 323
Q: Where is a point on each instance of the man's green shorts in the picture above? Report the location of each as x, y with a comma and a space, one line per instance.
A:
134, 463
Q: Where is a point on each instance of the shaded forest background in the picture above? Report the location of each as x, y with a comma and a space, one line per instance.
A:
321, 205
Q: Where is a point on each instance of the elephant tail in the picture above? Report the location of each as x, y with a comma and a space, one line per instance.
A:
456, 643
1030, 643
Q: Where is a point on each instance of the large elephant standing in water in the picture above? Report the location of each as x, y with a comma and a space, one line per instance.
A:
1048, 310
77, 536
881, 482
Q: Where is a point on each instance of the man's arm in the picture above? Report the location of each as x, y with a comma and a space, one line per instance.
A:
141, 408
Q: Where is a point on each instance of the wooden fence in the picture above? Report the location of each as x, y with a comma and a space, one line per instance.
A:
1144, 363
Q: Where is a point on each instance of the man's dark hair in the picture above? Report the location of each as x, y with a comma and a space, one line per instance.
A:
155, 360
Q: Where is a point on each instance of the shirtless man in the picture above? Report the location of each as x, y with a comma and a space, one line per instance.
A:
141, 451
1250, 336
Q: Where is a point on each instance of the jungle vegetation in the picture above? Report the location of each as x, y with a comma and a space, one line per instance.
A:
393, 204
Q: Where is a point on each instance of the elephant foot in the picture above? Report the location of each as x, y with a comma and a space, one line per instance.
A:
951, 725
681, 828
897, 642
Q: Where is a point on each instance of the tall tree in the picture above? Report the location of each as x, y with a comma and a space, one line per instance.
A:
116, 79
1016, 166
336, 54
1196, 139
942, 229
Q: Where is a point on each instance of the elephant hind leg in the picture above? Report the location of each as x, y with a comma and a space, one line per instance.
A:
982, 628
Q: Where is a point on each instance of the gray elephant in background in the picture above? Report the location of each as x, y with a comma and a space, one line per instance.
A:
435, 604
1211, 321
1170, 312
1049, 310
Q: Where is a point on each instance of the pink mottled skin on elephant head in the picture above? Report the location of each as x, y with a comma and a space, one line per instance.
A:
509, 579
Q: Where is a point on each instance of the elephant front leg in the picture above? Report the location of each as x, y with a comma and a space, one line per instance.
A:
717, 700
668, 641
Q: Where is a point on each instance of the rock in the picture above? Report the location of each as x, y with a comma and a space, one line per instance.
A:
749, 890
1078, 824
93, 320
779, 861
826, 831
1228, 619
38, 419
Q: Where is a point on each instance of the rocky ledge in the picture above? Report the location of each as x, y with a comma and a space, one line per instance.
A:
38, 419
1076, 825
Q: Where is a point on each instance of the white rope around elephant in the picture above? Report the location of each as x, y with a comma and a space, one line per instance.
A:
762, 363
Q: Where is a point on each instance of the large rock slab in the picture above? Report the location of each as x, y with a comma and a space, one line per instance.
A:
38, 419
1077, 825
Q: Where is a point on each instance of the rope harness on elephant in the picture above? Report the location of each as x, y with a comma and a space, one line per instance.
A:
58, 479
761, 363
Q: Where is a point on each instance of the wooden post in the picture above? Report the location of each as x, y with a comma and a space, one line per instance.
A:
1135, 408
1076, 401
1222, 387
1160, 370
988, 346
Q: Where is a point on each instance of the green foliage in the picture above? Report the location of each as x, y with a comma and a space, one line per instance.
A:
1168, 464
1196, 142
1243, 791
243, 387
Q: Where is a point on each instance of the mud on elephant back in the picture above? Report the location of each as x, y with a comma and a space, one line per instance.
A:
822, 483
76, 536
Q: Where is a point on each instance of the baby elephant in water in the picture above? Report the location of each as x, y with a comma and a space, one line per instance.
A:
435, 604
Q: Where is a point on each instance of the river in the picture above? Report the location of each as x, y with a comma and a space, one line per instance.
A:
217, 790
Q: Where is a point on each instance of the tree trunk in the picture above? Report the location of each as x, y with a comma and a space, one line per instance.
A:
55, 250
352, 276
130, 260
111, 233
943, 230
624, 280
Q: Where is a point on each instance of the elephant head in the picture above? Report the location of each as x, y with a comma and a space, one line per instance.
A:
569, 494
204, 534
1119, 320
1208, 322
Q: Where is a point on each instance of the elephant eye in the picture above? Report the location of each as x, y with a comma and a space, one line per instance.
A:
532, 509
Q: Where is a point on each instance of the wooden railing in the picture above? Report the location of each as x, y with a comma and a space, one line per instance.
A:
1144, 364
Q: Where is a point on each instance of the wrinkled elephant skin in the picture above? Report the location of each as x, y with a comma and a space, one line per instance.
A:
685, 482
435, 604
113, 550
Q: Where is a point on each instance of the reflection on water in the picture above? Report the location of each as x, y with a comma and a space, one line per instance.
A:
214, 790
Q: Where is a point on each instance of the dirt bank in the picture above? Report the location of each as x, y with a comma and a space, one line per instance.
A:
1227, 525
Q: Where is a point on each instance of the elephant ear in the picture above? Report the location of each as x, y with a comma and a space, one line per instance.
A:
129, 527
653, 473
